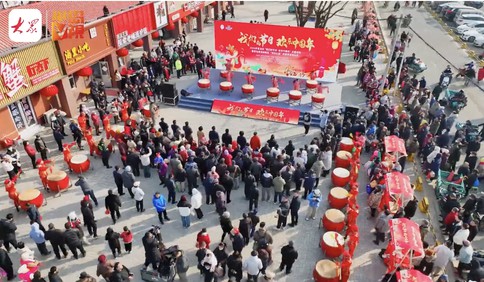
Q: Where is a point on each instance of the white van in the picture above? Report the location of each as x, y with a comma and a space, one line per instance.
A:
467, 12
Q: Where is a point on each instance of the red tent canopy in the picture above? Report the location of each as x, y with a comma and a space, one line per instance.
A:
412, 275
405, 244
395, 144
398, 184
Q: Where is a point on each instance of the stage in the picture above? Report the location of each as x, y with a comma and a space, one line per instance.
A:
203, 98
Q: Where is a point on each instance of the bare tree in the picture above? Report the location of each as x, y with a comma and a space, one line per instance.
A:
303, 13
325, 10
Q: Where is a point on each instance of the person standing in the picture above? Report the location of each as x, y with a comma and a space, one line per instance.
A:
266, 15
244, 228
128, 180
225, 224
41, 147
289, 256
159, 203
34, 215
73, 240
253, 266
294, 206
382, 227
145, 162
86, 189
54, 275
113, 241
105, 153
266, 182
152, 250
6, 264
314, 199
279, 184
282, 213
127, 237
182, 266
138, 196
113, 203
31, 153
56, 238
234, 265
307, 122
465, 257
254, 198
118, 179
443, 255
38, 237
7, 232
309, 183
171, 187
134, 162
184, 208
89, 220
196, 202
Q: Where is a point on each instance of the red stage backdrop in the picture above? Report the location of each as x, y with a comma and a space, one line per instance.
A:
255, 111
278, 50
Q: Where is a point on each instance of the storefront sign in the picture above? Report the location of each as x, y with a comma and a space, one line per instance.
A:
27, 71
133, 25
255, 111
77, 53
159, 9
279, 50
67, 24
180, 9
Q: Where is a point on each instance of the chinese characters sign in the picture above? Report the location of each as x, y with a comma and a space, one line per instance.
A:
67, 25
133, 25
25, 25
255, 111
278, 50
160, 14
27, 71
75, 54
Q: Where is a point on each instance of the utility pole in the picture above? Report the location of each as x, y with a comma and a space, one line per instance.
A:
394, 43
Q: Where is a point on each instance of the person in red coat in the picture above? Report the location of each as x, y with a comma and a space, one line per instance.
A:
96, 121
346, 267
352, 215
31, 153
203, 236
255, 142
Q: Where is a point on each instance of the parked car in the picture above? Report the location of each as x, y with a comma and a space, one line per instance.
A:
467, 19
471, 35
479, 41
451, 6
470, 11
446, 5
474, 4
451, 13
435, 4
465, 27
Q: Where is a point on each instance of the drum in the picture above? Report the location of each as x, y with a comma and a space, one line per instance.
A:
80, 163
58, 181
32, 196
340, 176
334, 220
326, 271
295, 97
146, 111
204, 83
332, 244
224, 74
338, 198
343, 159
317, 100
346, 144
311, 84
272, 94
226, 86
247, 88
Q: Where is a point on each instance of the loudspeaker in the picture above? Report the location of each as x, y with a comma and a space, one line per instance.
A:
170, 94
351, 113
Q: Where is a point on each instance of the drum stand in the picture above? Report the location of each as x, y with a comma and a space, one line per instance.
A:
226, 91
294, 102
311, 91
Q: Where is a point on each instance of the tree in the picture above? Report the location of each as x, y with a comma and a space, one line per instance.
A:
303, 13
325, 10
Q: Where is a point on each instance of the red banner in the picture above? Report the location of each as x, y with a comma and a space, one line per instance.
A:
399, 184
133, 25
405, 235
412, 275
278, 50
395, 144
255, 111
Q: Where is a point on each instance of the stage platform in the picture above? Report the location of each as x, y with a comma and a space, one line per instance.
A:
202, 99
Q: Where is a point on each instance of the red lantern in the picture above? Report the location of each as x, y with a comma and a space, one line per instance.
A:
213, 4
123, 52
86, 71
155, 35
170, 26
138, 43
194, 14
184, 20
7, 142
49, 91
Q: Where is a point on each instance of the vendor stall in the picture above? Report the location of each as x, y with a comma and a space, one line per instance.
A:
412, 275
398, 191
394, 148
404, 246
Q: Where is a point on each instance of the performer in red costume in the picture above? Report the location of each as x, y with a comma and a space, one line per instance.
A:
67, 152
353, 242
345, 267
81, 120
96, 121
206, 73
351, 215
90, 142
295, 84
312, 75
9, 186
322, 87
124, 111
44, 171
250, 78
107, 125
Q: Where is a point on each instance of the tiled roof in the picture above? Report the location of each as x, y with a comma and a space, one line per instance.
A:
92, 10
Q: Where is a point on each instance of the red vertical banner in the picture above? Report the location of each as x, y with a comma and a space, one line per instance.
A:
278, 50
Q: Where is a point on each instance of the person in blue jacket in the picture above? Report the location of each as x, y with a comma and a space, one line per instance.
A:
159, 203
314, 199
38, 237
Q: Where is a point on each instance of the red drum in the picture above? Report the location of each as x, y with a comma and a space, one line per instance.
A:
247, 88
146, 111
295, 97
331, 244
226, 86
334, 220
32, 196
343, 159
340, 176
272, 94
346, 144
80, 163
326, 271
58, 181
338, 198
311, 84
204, 83
224, 74
317, 100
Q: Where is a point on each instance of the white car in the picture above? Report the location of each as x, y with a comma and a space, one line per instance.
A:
470, 18
479, 41
471, 35
465, 27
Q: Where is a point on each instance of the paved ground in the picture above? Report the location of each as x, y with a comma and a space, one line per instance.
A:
366, 267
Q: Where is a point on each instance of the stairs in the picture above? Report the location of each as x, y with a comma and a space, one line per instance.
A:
206, 105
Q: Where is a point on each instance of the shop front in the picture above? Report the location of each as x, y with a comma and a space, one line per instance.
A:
84, 59
185, 15
29, 80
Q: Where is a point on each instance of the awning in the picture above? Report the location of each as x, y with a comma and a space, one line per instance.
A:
393, 144
399, 187
412, 275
